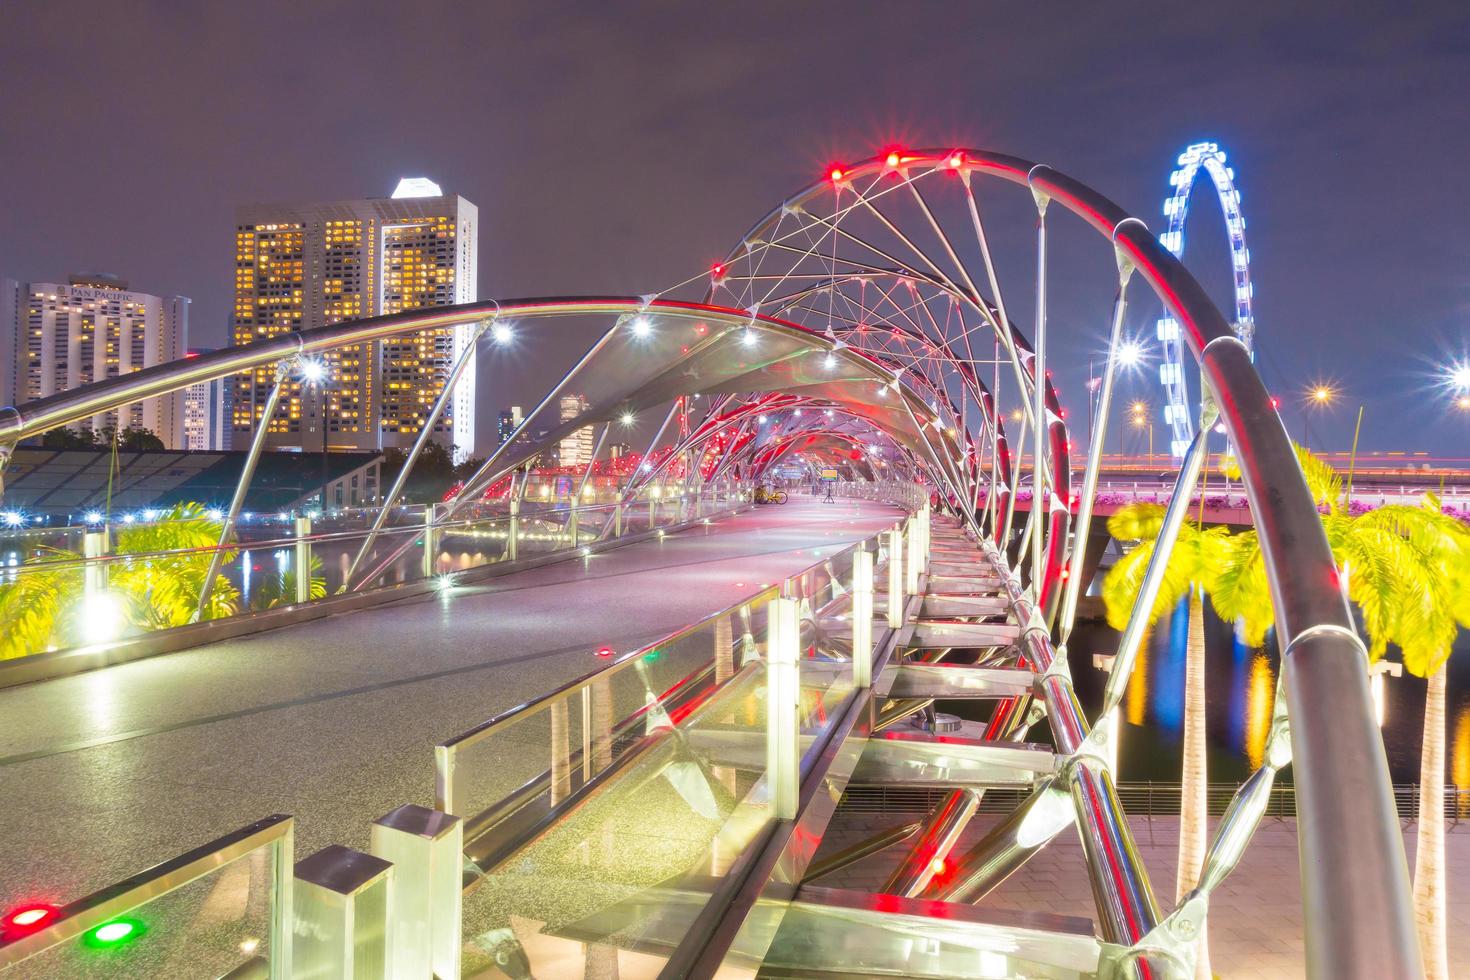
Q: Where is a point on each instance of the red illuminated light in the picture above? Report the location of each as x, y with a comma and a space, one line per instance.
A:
836, 174
956, 160
893, 159
604, 651
937, 866
26, 918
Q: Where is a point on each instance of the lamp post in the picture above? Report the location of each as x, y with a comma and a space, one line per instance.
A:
1139, 417
314, 374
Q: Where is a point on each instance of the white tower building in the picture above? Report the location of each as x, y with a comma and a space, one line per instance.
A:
56, 336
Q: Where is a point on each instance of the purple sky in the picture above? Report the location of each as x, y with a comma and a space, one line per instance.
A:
622, 147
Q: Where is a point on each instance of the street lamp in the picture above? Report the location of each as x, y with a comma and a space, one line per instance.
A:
1322, 394
1458, 376
314, 375
1140, 418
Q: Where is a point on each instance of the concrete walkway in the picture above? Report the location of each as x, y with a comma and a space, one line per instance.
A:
106, 773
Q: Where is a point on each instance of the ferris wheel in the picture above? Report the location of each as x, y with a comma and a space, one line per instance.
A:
1179, 412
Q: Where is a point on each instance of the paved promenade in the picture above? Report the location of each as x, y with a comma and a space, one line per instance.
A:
1255, 916
106, 773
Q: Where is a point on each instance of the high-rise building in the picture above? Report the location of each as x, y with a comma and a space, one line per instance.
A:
575, 449
506, 424
56, 336
199, 409
299, 266
207, 412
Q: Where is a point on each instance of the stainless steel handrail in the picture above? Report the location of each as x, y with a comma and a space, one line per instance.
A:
100, 907
446, 751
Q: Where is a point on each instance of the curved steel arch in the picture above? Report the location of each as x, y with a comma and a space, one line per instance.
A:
1342, 781
1354, 875
1178, 410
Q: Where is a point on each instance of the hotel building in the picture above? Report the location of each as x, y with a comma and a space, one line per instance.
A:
300, 266
57, 336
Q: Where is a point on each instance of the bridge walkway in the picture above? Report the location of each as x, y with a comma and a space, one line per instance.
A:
104, 773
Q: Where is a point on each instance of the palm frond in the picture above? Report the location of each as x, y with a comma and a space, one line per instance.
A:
1136, 522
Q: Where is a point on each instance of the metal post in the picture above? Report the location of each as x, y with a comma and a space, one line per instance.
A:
303, 559
1153, 577
561, 751
343, 901
862, 618
262, 427
513, 534
1038, 390
283, 879
94, 547
783, 698
911, 560
895, 578
431, 540
425, 848
1096, 439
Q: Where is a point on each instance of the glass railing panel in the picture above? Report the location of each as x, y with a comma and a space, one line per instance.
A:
220, 910
627, 863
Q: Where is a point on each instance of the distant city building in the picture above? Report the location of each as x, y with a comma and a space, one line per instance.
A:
575, 449
207, 412
299, 266
506, 423
55, 336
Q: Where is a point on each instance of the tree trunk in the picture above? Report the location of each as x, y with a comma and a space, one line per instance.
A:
1429, 896
1193, 808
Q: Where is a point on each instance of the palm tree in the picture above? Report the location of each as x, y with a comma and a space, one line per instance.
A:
1192, 569
44, 607
1433, 603
1407, 570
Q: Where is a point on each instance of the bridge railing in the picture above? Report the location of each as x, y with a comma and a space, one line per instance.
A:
638, 787
63, 609
222, 909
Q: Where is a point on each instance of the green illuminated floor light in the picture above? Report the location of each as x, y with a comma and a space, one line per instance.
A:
111, 935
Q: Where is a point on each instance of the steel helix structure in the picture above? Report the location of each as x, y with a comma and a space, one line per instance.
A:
877, 318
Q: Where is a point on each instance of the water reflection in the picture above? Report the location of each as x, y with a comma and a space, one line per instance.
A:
1240, 692
1460, 758
1260, 693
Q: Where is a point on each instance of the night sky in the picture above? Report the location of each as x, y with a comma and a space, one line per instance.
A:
623, 147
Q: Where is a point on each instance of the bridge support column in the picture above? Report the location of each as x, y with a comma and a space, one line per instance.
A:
862, 618
303, 559
425, 848
895, 578
783, 699
341, 903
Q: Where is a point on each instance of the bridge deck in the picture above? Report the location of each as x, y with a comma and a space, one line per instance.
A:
107, 772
